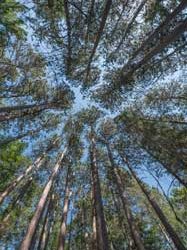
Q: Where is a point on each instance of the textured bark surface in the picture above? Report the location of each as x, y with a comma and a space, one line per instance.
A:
26, 243
169, 229
102, 237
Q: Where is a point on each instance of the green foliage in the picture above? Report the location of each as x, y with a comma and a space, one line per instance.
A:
11, 160
10, 22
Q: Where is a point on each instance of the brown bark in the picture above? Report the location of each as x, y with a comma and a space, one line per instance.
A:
45, 229
9, 113
68, 25
62, 234
99, 34
15, 202
129, 68
126, 206
26, 243
119, 18
160, 28
36, 165
128, 28
102, 237
169, 229
89, 20
168, 168
14, 184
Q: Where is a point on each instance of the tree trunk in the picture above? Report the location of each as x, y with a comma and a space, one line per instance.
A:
12, 112
20, 136
15, 202
15, 183
106, 10
130, 25
126, 206
68, 25
169, 229
36, 165
160, 28
90, 15
94, 229
129, 68
170, 170
45, 229
26, 243
102, 237
62, 234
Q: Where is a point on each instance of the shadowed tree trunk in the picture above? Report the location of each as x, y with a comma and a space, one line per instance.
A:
102, 237
62, 234
126, 206
36, 165
26, 243
106, 10
166, 166
7, 213
155, 33
45, 229
128, 28
68, 25
169, 229
12, 112
128, 69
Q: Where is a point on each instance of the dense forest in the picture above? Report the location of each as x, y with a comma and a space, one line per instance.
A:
93, 125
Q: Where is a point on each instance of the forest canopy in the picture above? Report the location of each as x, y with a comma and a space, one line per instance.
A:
93, 124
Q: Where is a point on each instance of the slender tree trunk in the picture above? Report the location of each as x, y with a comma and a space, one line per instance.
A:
45, 229
167, 199
62, 234
121, 224
68, 25
94, 229
20, 136
169, 229
26, 243
102, 237
168, 168
119, 18
126, 206
128, 28
160, 28
12, 112
15, 202
17, 181
36, 165
89, 20
166, 237
106, 10
129, 68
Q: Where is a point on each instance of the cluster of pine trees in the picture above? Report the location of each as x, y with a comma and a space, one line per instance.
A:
110, 174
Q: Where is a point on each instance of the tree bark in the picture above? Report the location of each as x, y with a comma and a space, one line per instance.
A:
126, 206
26, 243
129, 69
68, 25
170, 170
12, 112
102, 237
169, 229
36, 165
160, 28
62, 234
106, 10
130, 25
15, 183
15, 202
45, 229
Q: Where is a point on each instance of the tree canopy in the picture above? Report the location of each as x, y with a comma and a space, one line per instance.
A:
93, 125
